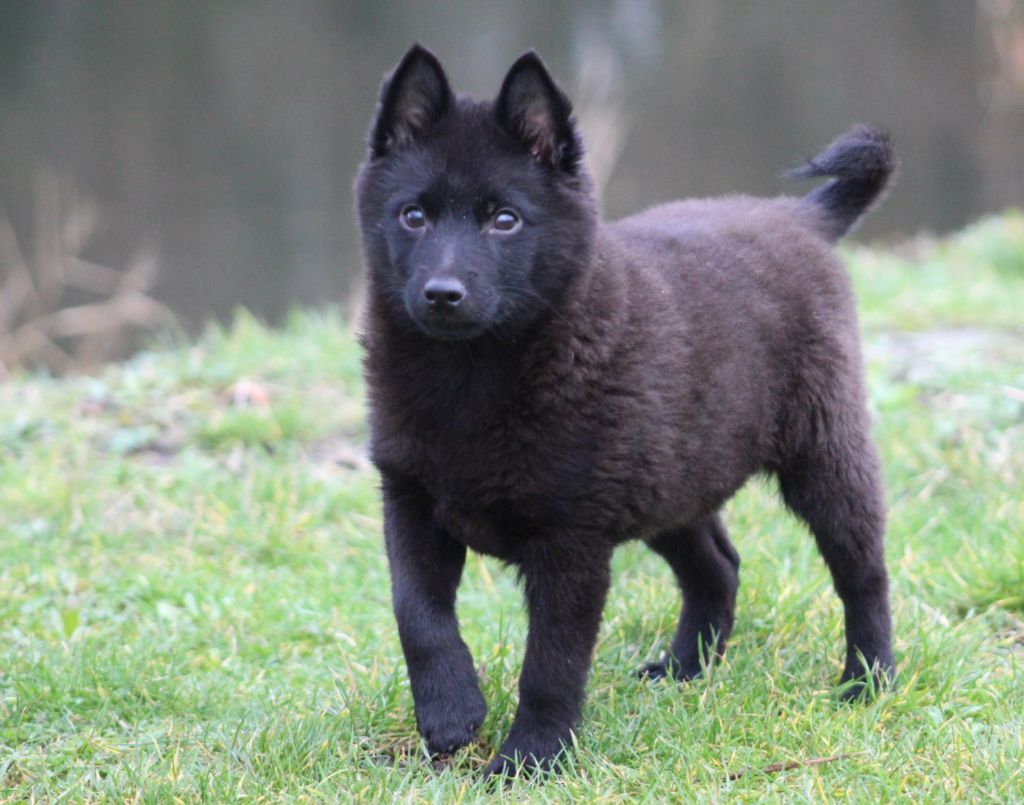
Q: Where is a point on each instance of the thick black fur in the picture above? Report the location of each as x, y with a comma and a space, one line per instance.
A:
544, 386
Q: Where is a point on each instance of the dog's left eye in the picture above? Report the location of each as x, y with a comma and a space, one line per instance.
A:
413, 217
506, 220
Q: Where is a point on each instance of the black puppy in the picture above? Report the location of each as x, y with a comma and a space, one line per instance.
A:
544, 385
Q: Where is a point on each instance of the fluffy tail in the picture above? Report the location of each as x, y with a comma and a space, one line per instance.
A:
860, 164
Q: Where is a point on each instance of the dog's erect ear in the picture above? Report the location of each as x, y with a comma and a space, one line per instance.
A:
536, 112
413, 98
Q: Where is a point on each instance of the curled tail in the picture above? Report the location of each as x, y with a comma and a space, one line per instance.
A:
860, 163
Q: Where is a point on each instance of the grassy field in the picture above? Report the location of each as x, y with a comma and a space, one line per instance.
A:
194, 600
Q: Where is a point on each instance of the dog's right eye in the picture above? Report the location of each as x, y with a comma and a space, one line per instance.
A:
505, 220
413, 217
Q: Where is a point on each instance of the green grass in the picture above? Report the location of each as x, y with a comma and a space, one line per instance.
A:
194, 599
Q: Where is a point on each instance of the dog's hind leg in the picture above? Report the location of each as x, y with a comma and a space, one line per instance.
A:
833, 484
707, 567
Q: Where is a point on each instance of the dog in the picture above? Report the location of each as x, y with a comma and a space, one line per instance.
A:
543, 385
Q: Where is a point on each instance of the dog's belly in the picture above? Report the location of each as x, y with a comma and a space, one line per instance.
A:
500, 528
498, 520
475, 530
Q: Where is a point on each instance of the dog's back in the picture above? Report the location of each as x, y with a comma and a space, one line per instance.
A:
752, 308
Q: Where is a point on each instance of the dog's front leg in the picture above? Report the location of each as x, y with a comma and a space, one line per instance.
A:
565, 592
426, 565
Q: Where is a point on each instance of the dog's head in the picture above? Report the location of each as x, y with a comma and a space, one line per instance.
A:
475, 216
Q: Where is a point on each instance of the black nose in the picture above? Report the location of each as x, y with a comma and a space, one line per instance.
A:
444, 292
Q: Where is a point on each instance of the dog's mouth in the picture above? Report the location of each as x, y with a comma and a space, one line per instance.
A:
452, 321
447, 330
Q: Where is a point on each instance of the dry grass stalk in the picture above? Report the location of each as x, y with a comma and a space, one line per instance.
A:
775, 768
58, 310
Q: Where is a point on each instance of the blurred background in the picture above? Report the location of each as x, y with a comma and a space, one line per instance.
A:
171, 161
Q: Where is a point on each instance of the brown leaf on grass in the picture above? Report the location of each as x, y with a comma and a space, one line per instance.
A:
790, 764
247, 393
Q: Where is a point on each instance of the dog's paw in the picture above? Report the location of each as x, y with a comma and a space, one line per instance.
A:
528, 751
669, 669
654, 671
447, 728
863, 686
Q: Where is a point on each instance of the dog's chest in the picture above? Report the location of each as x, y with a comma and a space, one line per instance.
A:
505, 457
498, 492
510, 479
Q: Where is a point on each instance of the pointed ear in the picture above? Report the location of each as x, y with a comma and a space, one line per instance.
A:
412, 99
536, 112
